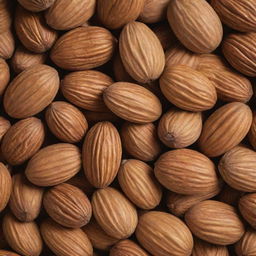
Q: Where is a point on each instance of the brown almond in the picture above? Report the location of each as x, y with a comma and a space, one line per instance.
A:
4, 75
247, 244
5, 15
8, 253
210, 61
4, 127
7, 44
5, 186
36, 5
252, 132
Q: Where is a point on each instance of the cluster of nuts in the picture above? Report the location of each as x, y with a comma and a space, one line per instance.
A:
126, 128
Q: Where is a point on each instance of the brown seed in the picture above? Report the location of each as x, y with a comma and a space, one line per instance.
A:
5, 186
247, 244
5, 15
4, 127
252, 132
7, 44
36, 5
4, 75
8, 253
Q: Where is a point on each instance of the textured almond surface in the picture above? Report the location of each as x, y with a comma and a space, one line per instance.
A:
31, 91
7, 44
252, 132
5, 186
5, 15
4, 127
4, 75
8, 253
247, 244
114, 213
154, 226
63, 162
215, 222
135, 42
36, 5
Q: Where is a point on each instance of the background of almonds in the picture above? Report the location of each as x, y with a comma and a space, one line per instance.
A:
126, 127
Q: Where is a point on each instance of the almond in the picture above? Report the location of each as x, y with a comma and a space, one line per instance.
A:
54, 164
136, 41
4, 75
196, 25
102, 152
140, 141
132, 102
36, 5
252, 132
31, 91
179, 129
26, 199
229, 195
68, 206
63, 15
225, 129
85, 89
210, 61
114, 213
7, 44
115, 14
4, 127
8, 253
188, 88
239, 50
23, 237
66, 121
215, 222
23, 140
5, 15
247, 244
32, 31
99, 40
139, 184
199, 170
5, 186
65, 241
153, 226
237, 14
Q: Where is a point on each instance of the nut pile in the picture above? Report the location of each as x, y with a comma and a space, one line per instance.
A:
127, 128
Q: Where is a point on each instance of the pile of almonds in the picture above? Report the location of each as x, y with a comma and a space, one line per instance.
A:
127, 128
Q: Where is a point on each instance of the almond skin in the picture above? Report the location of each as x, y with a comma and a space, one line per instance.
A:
196, 25
23, 140
239, 50
114, 14
5, 186
4, 127
8, 253
31, 91
132, 102
63, 15
215, 222
135, 42
252, 132
239, 15
85, 89
153, 226
116, 215
36, 5
68, 206
5, 15
140, 141
66, 121
7, 44
139, 184
247, 245
210, 61
32, 31
102, 152
4, 75
199, 170
179, 129
54, 164
188, 88
99, 40
127, 248
26, 199
65, 241
225, 129
23, 237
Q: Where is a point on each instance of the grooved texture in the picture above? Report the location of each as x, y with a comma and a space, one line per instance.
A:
5, 186
4, 126
7, 44
36, 5
5, 15
4, 75
247, 244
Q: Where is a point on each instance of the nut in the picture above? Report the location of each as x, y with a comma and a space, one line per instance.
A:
246, 245
4, 75
4, 127
36, 5
7, 44
5, 186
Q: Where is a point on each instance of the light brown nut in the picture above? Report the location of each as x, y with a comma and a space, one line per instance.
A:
36, 5
4, 127
4, 75
247, 244
5, 186
5, 15
7, 44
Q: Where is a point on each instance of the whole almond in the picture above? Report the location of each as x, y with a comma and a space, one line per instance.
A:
23, 140
127, 248
140, 141
5, 186
23, 237
239, 50
225, 129
54, 164
33, 32
237, 14
139, 184
26, 199
7, 44
8, 253
68, 206
65, 241
188, 88
4, 75
85, 89
99, 40
116, 215
179, 129
132, 102
153, 226
172, 166
196, 25
102, 152
36, 5
66, 121
247, 244
115, 14
4, 127
23, 59
31, 91
252, 132
63, 15
5, 15
135, 42
215, 222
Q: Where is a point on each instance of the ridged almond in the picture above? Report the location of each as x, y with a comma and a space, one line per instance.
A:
36, 5
7, 44
8, 253
5, 15
4, 75
247, 244
5, 186
4, 127
252, 132
210, 61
